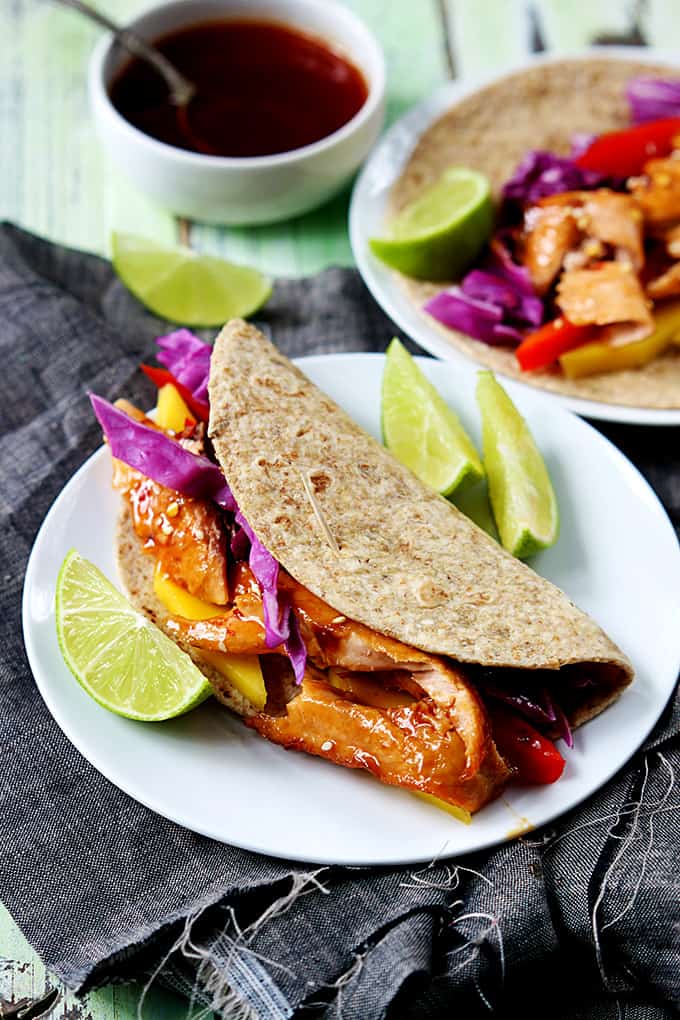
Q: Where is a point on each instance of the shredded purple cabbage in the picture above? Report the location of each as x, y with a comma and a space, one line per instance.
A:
188, 358
539, 707
501, 262
528, 707
541, 174
493, 303
479, 319
517, 306
239, 544
561, 720
160, 458
653, 98
280, 624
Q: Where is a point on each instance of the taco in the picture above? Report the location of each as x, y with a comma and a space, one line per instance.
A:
531, 120
392, 634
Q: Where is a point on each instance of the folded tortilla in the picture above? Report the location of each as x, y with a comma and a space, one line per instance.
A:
355, 528
491, 131
361, 532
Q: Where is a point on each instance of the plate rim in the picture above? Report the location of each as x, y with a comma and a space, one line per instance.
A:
53, 704
424, 113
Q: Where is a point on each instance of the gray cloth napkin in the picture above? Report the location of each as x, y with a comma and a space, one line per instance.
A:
582, 918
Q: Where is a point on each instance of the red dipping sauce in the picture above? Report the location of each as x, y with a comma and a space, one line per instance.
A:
262, 88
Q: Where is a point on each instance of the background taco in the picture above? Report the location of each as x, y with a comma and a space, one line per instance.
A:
543, 107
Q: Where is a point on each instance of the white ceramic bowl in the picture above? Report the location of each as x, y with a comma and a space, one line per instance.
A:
258, 189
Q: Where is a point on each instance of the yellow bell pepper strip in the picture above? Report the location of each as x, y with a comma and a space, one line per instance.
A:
243, 671
594, 358
460, 813
160, 377
171, 411
179, 602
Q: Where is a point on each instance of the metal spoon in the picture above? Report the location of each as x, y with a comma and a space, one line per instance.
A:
182, 91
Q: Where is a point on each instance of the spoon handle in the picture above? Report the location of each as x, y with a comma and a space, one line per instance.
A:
181, 89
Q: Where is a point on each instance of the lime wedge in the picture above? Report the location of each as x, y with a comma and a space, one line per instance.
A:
421, 430
473, 501
439, 234
121, 659
522, 496
180, 285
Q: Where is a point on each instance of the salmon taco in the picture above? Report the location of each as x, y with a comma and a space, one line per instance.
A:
576, 289
335, 603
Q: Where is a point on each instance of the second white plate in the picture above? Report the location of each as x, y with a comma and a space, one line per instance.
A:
367, 217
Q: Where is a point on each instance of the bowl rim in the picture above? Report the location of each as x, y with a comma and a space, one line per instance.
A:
99, 95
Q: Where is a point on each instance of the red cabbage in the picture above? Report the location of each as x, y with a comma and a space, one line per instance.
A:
561, 720
541, 174
188, 358
549, 704
479, 319
539, 707
653, 98
517, 306
239, 545
161, 458
501, 262
528, 707
494, 302
280, 624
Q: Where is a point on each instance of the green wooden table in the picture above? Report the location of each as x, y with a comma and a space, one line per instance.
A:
57, 182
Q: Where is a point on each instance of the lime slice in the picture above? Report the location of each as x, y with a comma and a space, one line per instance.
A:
121, 659
180, 285
421, 430
439, 234
522, 496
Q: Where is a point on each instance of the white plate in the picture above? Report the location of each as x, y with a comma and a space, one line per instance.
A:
367, 218
617, 557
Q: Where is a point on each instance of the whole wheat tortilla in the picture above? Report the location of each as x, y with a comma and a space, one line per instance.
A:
491, 131
372, 540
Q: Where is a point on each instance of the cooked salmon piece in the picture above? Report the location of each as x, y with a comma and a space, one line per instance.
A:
332, 640
607, 293
367, 700
614, 219
549, 234
185, 535
657, 192
576, 228
669, 236
418, 747
666, 285
606, 217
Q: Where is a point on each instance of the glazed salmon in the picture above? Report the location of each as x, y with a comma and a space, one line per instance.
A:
370, 701
657, 193
607, 293
666, 285
417, 747
549, 234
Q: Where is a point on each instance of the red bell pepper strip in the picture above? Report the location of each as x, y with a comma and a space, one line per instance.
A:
535, 758
540, 348
162, 377
624, 153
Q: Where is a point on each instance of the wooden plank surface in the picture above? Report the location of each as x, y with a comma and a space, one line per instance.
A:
57, 182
